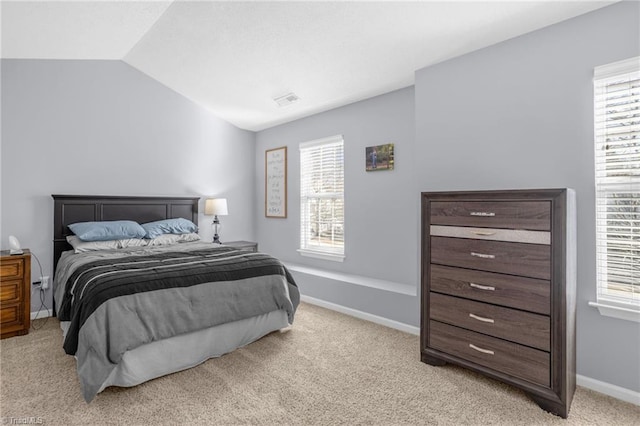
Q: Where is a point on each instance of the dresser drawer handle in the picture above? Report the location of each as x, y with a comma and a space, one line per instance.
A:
483, 319
483, 256
482, 287
482, 233
484, 351
483, 214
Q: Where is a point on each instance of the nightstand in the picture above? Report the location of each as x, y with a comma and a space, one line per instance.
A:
242, 245
15, 293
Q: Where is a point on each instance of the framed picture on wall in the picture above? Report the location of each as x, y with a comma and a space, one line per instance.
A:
275, 182
379, 157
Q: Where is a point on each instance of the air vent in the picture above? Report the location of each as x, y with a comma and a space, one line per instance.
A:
287, 99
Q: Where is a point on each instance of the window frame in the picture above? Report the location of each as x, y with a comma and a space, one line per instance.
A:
336, 254
611, 302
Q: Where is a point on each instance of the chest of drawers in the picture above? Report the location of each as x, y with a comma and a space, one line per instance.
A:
15, 286
498, 288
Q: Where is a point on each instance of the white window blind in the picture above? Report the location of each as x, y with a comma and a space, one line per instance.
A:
617, 172
322, 198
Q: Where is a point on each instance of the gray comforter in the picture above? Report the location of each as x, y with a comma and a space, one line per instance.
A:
119, 300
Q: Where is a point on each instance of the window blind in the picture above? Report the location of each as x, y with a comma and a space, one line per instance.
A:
322, 196
617, 175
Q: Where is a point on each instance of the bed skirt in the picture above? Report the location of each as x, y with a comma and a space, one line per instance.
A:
181, 352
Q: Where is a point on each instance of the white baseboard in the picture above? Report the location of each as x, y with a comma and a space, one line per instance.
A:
617, 392
44, 313
614, 391
362, 315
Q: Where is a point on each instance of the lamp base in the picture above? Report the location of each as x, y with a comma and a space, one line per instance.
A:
216, 228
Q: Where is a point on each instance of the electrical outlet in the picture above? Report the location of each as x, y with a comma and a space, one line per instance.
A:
44, 282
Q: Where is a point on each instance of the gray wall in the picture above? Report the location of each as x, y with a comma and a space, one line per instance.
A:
102, 127
520, 115
380, 207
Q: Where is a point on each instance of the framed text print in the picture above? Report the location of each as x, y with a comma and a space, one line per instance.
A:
275, 182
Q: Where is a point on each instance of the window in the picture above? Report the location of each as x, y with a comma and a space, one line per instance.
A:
617, 173
322, 198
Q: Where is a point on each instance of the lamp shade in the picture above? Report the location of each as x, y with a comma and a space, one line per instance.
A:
216, 206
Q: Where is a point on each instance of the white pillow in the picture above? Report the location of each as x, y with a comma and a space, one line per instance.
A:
80, 246
133, 242
166, 239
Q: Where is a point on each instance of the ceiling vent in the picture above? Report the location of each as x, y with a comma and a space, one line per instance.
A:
287, 99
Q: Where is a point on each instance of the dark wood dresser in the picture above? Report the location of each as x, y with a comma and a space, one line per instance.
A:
498, 288
15, 294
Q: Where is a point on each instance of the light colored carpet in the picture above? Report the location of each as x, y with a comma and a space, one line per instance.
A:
327, 369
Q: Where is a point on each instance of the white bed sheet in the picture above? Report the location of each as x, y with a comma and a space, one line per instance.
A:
181, 352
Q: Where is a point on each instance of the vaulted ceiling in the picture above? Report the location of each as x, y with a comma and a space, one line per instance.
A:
234, 58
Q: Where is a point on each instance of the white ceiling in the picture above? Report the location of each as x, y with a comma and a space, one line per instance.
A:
235, 57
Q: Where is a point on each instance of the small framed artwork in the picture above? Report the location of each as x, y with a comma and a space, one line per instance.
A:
275, 182
379, 157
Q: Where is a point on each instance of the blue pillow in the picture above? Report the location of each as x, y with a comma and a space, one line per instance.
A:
169, 226
108, 230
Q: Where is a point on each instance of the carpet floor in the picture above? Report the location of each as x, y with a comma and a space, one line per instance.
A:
327, 369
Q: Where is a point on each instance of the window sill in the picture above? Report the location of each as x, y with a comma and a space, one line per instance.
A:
322, 255
628, 312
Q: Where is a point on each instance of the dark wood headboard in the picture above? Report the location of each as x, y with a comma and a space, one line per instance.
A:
70, 209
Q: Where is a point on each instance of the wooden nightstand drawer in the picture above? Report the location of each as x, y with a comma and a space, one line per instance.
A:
493, 320
529, 294
534, 215
10, 315
10, 291
530, 260
517, 360
11, 268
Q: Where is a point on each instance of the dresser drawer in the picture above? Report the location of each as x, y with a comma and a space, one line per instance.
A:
506, 357
11, 268
10, 291
529, 294
534, 215
10, 315
494, 234
530, 260
509, 324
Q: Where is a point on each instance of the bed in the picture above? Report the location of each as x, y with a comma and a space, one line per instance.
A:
137, 313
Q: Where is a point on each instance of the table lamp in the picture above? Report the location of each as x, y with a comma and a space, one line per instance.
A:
216, 207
